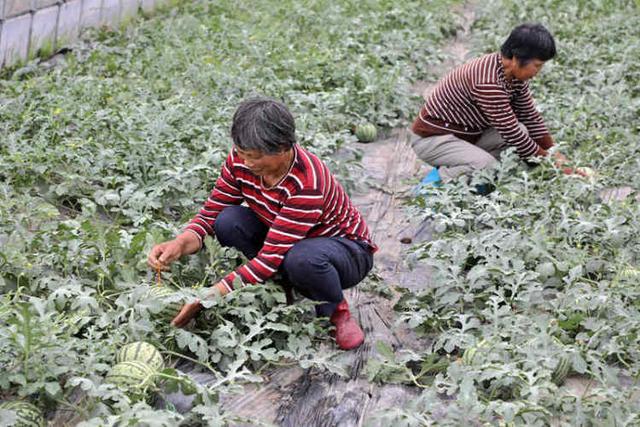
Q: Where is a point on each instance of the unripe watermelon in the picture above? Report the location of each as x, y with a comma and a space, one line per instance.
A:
546, 270
27, 414
366, 132
143, 352
470, 353
79, 320
170, 307
594, 266
468, 356
630, 273
562, 370
133, 377
506, 388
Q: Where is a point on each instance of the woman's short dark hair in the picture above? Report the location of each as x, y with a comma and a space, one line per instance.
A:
263, 124
529, 41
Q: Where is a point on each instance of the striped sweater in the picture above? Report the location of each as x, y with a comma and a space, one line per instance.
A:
307, 202
476, 96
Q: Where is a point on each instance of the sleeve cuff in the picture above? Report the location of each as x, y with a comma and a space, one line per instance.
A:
231, 281
223, 287
197, 235
541, 152
545, 142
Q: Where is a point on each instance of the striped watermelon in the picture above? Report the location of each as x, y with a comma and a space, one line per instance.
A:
27, 414
469, 354
366, 132
630, 273
169, 308
506, 387
78, 320
562, 370
546, 270
133, 377
143, 352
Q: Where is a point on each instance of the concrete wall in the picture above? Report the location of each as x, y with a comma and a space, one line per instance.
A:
29, 28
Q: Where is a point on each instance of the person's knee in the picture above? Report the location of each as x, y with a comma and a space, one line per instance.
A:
225, 225
523, 128
423, 147
483, 161
300, 262
308, 270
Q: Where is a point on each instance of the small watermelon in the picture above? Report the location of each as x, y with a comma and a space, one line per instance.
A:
506, 387
470, 353
366, 132
562, 370
594, 266
170, 307
78, 321
143, 352
468, 356
572, 321
133, 377
27, 414
630, 273
546, 270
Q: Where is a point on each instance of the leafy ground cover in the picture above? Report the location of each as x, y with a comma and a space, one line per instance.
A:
533, 312
114, 149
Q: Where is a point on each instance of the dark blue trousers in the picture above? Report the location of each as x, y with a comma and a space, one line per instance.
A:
318, 267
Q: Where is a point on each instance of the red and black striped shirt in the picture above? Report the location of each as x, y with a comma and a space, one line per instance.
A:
307, 202
476, 96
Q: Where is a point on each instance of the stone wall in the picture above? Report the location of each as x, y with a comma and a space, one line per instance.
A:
29, 28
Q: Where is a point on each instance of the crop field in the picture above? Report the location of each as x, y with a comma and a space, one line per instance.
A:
530, 315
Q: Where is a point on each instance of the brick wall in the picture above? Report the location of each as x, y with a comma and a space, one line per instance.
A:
29, 28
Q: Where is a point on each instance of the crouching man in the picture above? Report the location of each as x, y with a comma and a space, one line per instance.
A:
298, 220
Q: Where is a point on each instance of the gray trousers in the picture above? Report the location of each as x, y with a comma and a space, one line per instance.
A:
454, 157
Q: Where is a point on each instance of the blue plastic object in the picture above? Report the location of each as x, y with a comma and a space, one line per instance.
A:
432, 178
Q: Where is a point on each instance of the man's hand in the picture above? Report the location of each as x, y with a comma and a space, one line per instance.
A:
190, 310
163, 254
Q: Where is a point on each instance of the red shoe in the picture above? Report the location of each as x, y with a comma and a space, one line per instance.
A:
348, 333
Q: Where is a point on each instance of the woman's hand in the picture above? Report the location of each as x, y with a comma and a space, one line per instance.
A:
559, 159
163, 254
190, 310
187, 313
